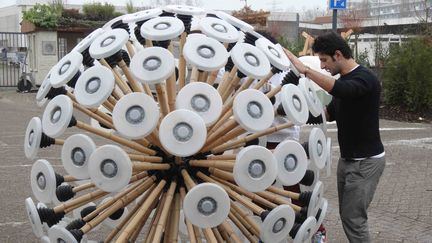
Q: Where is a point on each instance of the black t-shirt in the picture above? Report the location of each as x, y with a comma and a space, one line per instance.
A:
355, 107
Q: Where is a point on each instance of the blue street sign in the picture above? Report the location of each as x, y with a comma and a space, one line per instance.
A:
338, 4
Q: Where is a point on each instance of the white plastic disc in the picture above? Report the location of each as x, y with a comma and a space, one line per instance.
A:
206, 205
184, 10
44, 88
45, 239
182, 132
94, 86
294, 104
315, 201
43, 181
274, 53
250, 60
86, 42
108, 25
111, 223
108, 43
110, 168
277, 224
33, 137
317, 147
202, 99
253, 110
33, 217
136, 115
329, 157
323, 125
142, 15
162, 28
75, 155
323, 212
60, 234
304, 234
57, 116
245, 27
182, 224
292, 162
152, 65
255, 168
312, 99
219, 29
205, 53
65, 69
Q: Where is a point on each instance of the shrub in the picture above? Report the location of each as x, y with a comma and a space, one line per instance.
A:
407, 79
42, 15
97, 11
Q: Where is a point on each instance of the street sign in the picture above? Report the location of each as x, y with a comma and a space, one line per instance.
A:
338, 4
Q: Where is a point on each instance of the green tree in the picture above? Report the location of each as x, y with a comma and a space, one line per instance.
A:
43, 15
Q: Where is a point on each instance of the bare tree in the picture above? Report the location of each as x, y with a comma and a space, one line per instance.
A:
353, 18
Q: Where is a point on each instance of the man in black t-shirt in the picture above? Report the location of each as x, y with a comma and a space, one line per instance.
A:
354, 107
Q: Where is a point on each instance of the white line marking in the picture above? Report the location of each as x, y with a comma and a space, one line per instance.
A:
17, 166
12, 223
389, 129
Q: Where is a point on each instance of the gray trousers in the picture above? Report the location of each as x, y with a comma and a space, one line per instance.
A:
357, 182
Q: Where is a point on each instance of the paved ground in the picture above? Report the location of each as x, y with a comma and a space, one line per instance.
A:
400, 212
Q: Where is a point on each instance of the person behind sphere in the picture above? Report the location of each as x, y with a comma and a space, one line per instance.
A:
355, 108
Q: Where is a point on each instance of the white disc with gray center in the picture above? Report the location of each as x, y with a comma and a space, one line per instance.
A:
44, 88
110, 168
152, 65
315, 201
317, 147
88, 40
250, 60
94, 86
162, 28
33, 137
182, 133
277, 224
253, 110
206, 205
312, 99
305, 233
75, 155
274, 53
329, 159
202, 99
33, 217
59, 233
112, 223
294, 104
142, 15
43, 181
207, 54
240, 24
255, 168
292, 162
184, 10
135, 115
322, 213
65, 69
219, 29
57, 116
108, 43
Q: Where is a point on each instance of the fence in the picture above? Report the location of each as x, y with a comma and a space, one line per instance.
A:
13, 53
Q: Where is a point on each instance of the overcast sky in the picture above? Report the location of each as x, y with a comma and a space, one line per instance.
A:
289, 5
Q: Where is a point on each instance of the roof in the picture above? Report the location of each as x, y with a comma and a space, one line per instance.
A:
282, 16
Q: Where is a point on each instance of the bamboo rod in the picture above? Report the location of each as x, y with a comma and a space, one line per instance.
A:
250, 223
140, 166
118, 227
163, 99
144, 207
115, 138
242, 228
155, 219
189, 225
182, 62
220, 164
164, 215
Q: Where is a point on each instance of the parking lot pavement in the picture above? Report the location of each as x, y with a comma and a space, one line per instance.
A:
400, 212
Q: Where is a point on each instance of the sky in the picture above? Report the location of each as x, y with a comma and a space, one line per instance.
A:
289, 5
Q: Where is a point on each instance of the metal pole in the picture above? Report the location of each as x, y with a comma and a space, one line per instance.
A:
334, 26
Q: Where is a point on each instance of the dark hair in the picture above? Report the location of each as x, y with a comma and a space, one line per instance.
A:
328, 43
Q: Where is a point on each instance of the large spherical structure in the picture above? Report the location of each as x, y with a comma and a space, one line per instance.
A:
175, 145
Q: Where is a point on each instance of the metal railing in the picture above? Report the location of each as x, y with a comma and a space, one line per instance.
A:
13, 53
